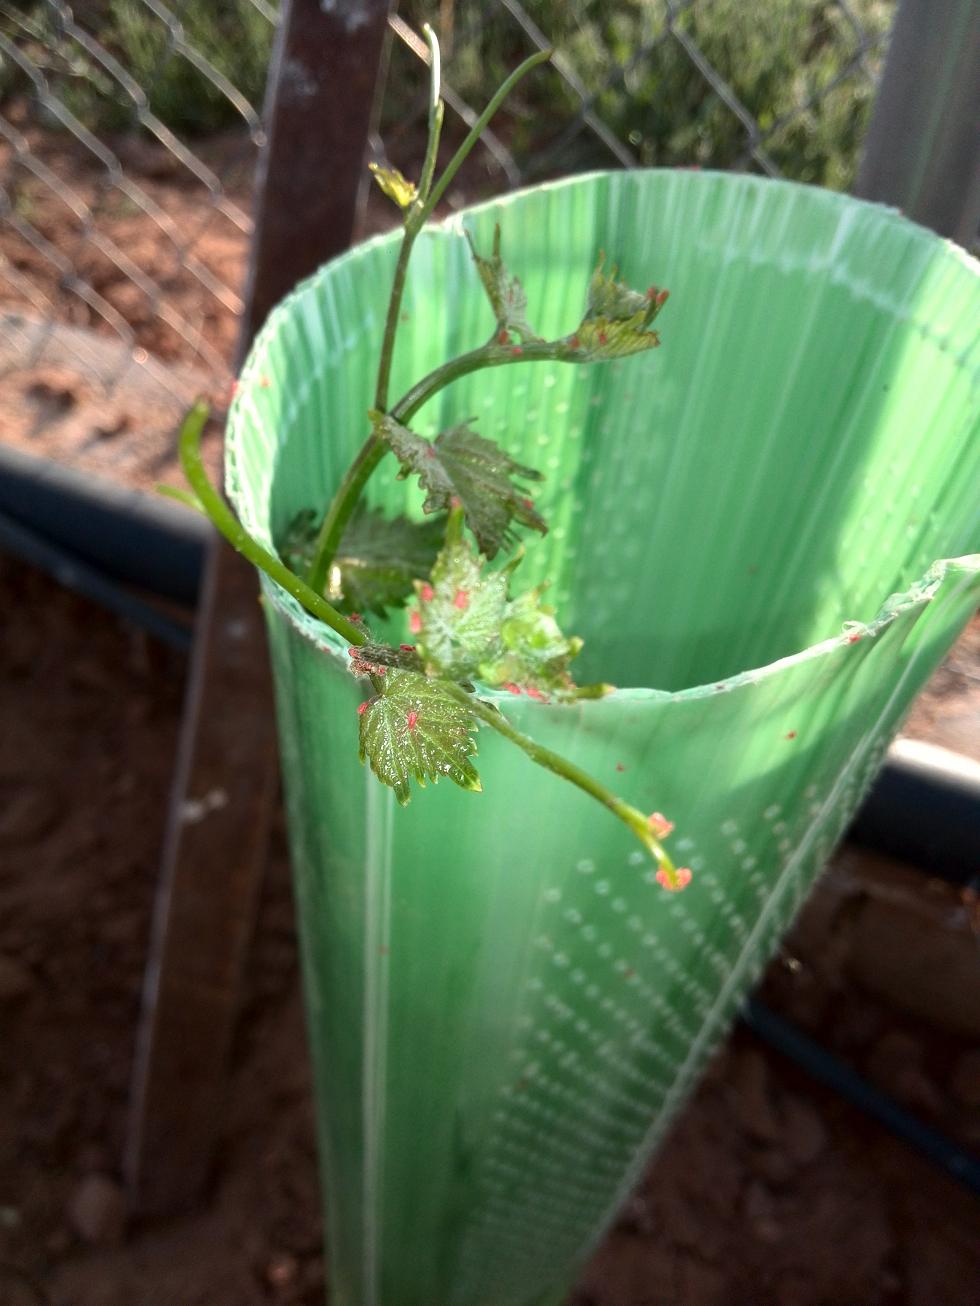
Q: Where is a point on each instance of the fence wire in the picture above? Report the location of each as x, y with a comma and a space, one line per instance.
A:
781, 87
130, 129
127, 152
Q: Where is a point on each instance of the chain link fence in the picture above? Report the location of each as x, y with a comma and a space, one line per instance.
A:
129, 135
130, 130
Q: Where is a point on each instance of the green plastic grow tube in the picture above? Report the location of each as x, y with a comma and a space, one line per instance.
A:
505, 1010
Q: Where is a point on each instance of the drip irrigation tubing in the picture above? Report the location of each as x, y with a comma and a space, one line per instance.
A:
823, 1066
925, 809
127, 536
84, 579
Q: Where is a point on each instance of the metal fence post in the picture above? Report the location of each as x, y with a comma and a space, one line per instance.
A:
322, 83
922, 151
321, 88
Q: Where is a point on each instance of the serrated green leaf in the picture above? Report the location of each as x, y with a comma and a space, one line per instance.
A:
461, 465
460, 611
533, 653
505, 292
603, 339
298, 540
614, 300
617, 319
378, 558
394, 185
416, 728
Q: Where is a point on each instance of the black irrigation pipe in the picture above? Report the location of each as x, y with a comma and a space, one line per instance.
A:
133, 538
924, 809
82, 578
823, 1066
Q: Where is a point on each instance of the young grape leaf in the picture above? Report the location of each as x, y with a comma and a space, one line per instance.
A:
616, 319
394, 185
298, 541
532, 652
461, 465
377, 560
415, 728
505, 292
460, 609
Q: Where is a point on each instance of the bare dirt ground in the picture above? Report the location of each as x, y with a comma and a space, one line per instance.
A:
770, 1192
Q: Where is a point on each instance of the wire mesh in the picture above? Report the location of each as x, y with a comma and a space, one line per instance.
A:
130, 130
129, 134
781, 87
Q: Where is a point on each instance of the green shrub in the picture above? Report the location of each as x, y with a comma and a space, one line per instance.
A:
231, 35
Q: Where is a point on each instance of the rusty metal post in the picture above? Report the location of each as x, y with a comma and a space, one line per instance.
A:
321, 87
922, 151
324, 73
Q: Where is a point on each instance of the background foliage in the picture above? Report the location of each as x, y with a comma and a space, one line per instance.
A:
233, 36
802, 71
800, 68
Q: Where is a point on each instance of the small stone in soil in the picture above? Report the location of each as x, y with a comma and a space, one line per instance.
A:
915, 1089
805, 1134
773, 1165
894, 1052
637, 1218
15, 980
965, 1080
282, 1270
753, 1103
97, 1210
761, 1212
26, 813
52, 399
111, 427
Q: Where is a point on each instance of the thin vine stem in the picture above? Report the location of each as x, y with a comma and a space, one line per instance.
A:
341, 509
391, 321
415, 218
373, 450
436, 110
225, 521
485, 356
356, 477
461, 155
632, 817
